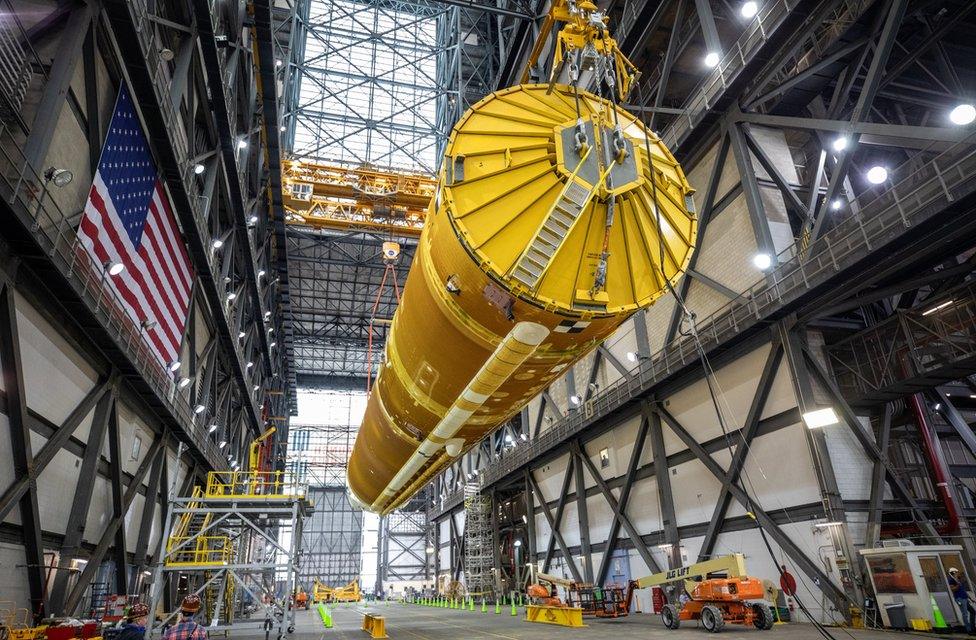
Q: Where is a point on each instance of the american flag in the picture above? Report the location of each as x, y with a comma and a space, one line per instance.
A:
128, 220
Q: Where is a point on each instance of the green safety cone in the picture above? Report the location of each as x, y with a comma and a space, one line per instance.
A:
470, 604
514, 612
940, 622
498, 607
484, 607
325, 615
520, 600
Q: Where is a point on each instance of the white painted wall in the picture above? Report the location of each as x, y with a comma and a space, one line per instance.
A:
57, 377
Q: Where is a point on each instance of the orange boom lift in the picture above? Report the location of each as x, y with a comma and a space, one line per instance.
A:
734, 598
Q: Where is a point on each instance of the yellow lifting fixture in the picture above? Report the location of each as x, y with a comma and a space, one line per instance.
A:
583, 46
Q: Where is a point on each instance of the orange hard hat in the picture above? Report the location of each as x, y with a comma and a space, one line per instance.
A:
191, 604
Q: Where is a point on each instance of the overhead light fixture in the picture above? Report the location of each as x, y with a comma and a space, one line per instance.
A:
174, 365
508, 438
711, 60
475, 471
430, 550
574, 399
820, 418
231, 295
249, 364
260, 273
166, 54
267, 314
938, 406
840, 143
198, 168
223, 443
252, 220
113, 268
278, 62
60, 177
963, 114
148, 325
241, 334
257, 387
523, 437
938, 307
199, 409
213, 428
632, 356
749, 10
525, 519
824, 525
836, 204
282, 128
183, 383
762, 261
517, 543
217, 243
273, 344
877, 174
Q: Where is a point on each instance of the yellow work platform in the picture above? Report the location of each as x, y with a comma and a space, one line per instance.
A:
563, 616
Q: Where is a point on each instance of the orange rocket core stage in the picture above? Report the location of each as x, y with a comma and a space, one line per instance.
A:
535, 249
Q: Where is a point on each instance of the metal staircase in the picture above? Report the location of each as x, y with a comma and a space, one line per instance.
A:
562, 217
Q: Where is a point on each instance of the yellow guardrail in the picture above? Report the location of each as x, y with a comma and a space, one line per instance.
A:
252, 484
201, 552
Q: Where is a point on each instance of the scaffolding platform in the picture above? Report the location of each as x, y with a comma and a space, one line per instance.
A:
235, 543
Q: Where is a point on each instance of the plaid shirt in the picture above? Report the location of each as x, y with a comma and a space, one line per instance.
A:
185, 630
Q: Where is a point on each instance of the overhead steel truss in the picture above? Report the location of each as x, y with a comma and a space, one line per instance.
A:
375, 85
880, 74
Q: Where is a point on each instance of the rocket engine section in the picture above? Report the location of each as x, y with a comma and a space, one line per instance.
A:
555, 219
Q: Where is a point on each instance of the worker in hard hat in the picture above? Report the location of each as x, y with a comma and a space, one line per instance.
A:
134, 627
187, 628
960, 593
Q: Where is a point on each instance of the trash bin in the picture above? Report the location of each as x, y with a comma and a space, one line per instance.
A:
896, 615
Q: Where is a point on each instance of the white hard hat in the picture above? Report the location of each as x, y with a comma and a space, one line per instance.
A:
953, 570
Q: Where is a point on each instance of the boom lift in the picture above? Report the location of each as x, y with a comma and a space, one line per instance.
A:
736, 598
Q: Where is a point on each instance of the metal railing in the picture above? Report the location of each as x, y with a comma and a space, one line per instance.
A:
253, 484
199, 551
912, 195
924, 343
769, 18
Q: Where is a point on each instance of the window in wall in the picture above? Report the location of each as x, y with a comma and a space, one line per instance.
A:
604, 458
891, 573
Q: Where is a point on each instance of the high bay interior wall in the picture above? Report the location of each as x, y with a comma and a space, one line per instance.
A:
102, 433
804, 480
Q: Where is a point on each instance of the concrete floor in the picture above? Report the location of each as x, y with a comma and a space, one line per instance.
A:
410, 622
